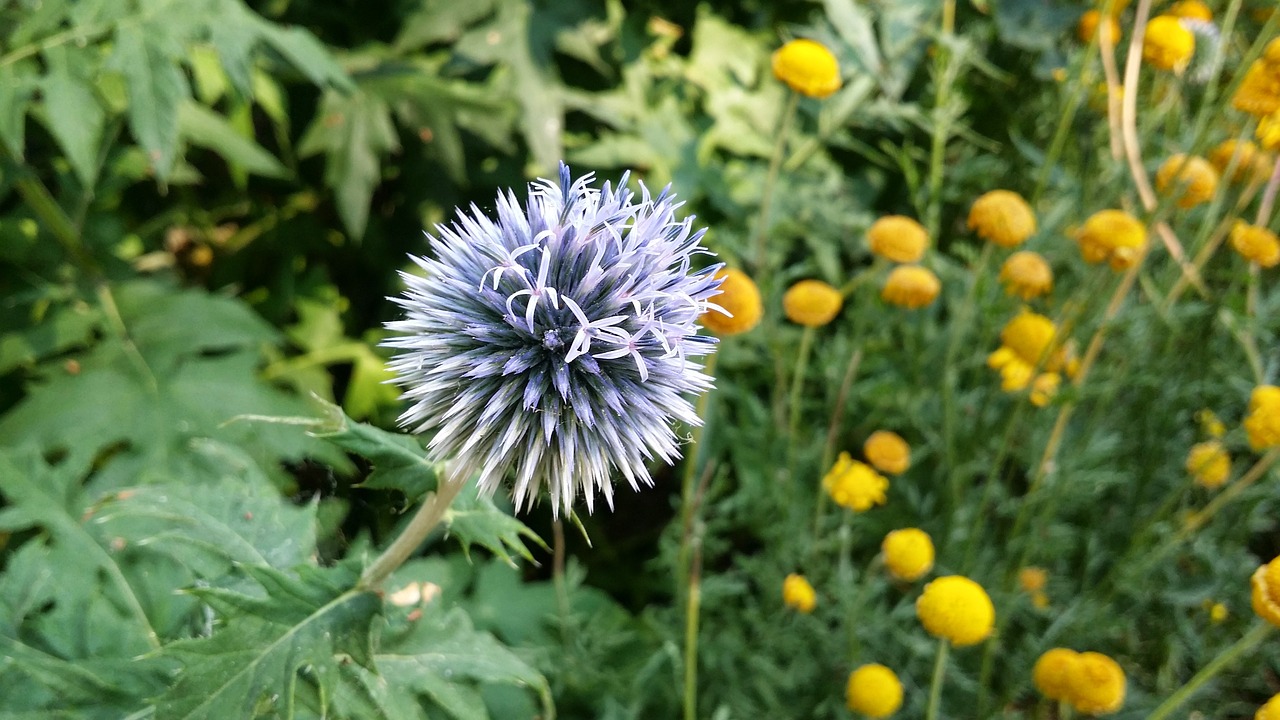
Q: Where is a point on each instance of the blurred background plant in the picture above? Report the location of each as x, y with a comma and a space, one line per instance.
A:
203, 206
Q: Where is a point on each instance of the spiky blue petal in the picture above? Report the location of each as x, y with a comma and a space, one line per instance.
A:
556, 345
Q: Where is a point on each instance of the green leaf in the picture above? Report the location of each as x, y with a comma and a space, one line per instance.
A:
442, 657
17, 87
353, 131
472, 519
202, 127
179, 366
75, 119
399, 462
235, 36
157, 86
306, 53
63, 328
303, 629
439, 21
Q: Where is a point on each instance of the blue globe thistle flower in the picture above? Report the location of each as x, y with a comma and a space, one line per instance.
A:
559, 343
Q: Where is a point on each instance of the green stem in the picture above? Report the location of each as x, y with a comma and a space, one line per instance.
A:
833, 431
941, 121
1226, 657
797, 388
557, 579
690, 472
771, 180
959, 329
935, 686
692, 609
423, 522
1075, 95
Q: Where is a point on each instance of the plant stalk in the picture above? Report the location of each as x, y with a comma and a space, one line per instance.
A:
1225, 658
423, 522
935, 686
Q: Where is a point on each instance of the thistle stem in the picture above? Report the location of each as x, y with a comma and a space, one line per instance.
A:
692, 609
1226, 657
423, 522
935, 686
771, 180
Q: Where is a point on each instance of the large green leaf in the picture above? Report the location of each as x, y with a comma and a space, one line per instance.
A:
205, 128
303, 629
354, 131
179, 365
157, 87
75, 119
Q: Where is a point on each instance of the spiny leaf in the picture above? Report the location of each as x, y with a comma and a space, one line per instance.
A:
305, 629
472, 519
399, 462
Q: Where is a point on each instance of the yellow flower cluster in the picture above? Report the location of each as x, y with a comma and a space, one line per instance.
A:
1033, 580
1268, 131
1090, 682
1090, 22
798, 594
812, 303
1262, 425
1113, 236
1270, 711
855, 485
740, 298
1191, 179
874, 690
1028, 345
1191, 10
911, 287
807, 67
1266, 592
1167, 44
1002, 217
898, 238
1256, 243
908, 553
1209, 464
887, 452
1252, 165
1259, 91
956, 609
1027, 275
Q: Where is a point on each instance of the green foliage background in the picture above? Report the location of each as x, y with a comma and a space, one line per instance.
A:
203, 206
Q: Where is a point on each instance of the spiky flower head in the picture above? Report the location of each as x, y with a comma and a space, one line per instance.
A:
557, 343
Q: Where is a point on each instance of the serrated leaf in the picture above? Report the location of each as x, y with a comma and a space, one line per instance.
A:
62, 329
305, 53
399, 462
17, 87
475, 520
184, 365
157, 86
234, 37
75, 119
205, 128
439, 21
354, 131
442, 657
310, 622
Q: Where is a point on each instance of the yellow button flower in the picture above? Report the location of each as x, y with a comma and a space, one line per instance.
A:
874, 690
807, 67
887, 452
1191, 10
855, 485
1052, 672
898, 238
1113, 236
911, 287
812, 303
1031, 336
1259, 91
1167, 44
1270, 711
1088, 27
740, 298
798, 594
1192, 179
1002, 217
1268, 131
1266, 592
908, 553
1032, 579
1262, 425
957, 609
1209, 464
1096, 684
1027, 275
1252, 165
1256, 243
1044, 388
